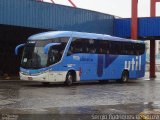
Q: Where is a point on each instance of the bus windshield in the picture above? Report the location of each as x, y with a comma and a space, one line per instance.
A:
34, 57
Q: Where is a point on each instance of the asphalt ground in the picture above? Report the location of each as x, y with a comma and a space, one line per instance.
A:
86, 100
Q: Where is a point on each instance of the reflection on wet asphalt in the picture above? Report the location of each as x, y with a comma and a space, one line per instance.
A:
19, 97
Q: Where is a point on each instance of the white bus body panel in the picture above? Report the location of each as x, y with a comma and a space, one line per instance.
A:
51, 76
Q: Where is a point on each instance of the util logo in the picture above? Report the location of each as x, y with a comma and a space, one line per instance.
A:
134, 64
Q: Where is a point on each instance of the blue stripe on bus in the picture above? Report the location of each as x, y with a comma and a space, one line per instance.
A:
100, 65
112, 58
106, 60
109, 59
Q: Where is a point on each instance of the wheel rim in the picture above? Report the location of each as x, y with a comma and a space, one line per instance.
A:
125, 77
70, 79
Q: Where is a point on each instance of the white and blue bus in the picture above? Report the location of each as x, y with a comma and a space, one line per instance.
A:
66, 56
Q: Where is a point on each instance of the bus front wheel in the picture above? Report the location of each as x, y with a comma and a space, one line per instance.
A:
45, 83
103, 81
124, 77
69, 79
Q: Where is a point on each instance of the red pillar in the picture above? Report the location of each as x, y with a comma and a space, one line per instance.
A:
52, 1
72, 3
152, 43
153, 8
134, 24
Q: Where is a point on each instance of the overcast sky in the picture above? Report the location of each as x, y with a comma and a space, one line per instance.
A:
121, 8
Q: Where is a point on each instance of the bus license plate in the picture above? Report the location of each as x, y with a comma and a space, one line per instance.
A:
30, 78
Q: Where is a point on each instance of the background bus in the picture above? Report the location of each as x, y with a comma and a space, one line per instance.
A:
68, 57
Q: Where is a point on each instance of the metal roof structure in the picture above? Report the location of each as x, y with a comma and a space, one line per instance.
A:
42, 15
33, 14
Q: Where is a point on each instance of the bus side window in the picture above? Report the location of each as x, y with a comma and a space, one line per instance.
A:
77, 46
112, 47
102, 47
140, 48
90, 44
71, 48
117, 48
134, 49
125, 52
127, 47
143, 47
107, 47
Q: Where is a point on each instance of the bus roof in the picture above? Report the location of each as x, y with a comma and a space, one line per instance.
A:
56, 34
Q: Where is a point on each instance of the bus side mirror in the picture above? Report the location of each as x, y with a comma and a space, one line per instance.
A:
17, 48
47, 47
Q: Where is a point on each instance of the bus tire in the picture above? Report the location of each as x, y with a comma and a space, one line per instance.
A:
69, 79
103, 81
124, 77
45, 83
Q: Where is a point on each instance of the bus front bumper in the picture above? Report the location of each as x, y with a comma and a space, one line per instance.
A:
41, 77
45, 77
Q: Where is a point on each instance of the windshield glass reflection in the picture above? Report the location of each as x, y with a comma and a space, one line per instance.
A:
34, 57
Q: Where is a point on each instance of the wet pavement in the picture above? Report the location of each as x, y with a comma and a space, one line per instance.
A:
91, 100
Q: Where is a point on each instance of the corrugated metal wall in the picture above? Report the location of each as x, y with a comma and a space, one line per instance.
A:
147, 27
122, 28
29, 13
